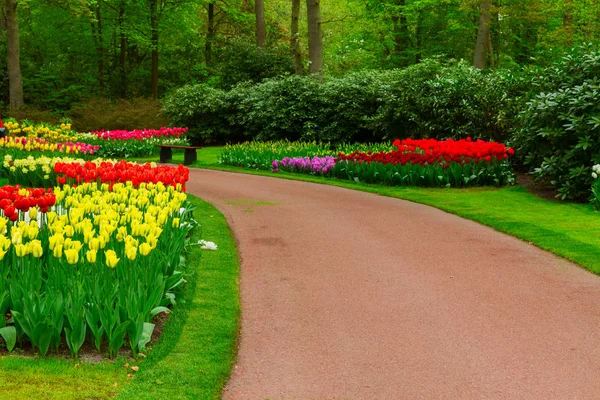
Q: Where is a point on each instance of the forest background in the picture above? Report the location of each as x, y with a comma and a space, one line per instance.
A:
77, 55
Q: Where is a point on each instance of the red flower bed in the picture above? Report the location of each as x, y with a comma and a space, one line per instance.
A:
140, 134
14, 199
122, 171
431, 151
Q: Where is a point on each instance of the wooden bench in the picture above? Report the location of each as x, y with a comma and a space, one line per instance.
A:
166, 153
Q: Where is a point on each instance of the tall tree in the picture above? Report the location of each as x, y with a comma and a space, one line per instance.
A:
295, 37
261, 31
154, 20
568, 22
401, 37
315, 37
483, 35
15, 80
210, 33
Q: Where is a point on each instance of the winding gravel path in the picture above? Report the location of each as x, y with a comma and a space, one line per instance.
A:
349, 295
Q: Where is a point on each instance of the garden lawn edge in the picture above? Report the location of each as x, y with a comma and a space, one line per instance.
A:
455, 201
201, 336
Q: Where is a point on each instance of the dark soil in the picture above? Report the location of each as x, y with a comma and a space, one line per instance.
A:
88, 351
538, 188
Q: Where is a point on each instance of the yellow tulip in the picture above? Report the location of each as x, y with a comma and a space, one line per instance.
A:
131, 252
69, 230
33, 213
4, 243
36, 248
2, 254
175, 223
90, 255
58, 251
21, 250
111, 258
145, 249
72, 256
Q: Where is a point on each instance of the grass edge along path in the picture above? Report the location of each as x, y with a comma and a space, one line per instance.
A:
569, 230
198, 365
194, 355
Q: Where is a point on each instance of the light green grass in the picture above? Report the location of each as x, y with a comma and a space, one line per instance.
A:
195, 353
566, 229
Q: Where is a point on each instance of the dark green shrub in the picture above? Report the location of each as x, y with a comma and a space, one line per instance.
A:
429, 99
205, 111
560, 135
236, 61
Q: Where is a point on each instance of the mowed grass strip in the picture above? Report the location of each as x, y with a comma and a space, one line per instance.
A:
198, 364
194, 355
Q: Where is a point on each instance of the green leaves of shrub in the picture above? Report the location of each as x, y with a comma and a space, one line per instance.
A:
561, 126
430, 99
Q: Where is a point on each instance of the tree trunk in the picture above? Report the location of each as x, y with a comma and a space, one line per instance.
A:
100, 48
483, 34
568, 23
210, 33
15, 80
261, 31
295, 38
154, 43
315, 38
122, 52
491, 50
400, 24
419, 37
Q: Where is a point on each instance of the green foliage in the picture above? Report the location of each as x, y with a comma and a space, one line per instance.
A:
260, 155
456, 175
238, 61
560, 135
430, 99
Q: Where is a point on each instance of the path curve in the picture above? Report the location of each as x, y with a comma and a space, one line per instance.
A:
349, 295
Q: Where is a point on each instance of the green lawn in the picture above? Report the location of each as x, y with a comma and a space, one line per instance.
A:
195, 353
566, 229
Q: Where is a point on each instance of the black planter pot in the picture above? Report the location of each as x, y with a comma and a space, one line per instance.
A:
3, 132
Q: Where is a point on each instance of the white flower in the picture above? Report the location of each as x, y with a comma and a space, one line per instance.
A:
205, 245
594, 175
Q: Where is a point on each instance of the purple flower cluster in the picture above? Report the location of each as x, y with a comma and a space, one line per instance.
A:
319, 165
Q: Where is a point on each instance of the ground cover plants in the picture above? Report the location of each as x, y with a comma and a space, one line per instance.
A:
426, 162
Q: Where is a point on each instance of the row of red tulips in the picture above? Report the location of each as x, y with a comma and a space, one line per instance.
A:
122, 171
431, 151
14, 199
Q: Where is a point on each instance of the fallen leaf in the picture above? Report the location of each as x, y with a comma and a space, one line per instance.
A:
135, 368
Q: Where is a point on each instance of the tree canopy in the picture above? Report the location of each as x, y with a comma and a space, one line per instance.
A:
73, 51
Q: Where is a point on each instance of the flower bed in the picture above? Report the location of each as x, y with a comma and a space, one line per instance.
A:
48, 132
260, 155
93, 263
22, 144
122, 171
425, 162
46, 171
140, 134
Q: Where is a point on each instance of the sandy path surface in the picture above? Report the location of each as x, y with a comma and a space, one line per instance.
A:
349, 295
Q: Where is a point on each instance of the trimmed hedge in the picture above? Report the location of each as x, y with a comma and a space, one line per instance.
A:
430, 99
